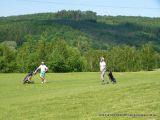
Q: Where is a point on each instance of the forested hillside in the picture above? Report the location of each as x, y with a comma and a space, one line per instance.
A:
74, 41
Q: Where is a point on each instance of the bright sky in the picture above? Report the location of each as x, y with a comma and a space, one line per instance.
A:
149, 8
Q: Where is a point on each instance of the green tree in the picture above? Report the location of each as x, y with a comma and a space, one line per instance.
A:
148, 57
7, 59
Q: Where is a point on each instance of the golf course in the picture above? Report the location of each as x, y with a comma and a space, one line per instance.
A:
81, 96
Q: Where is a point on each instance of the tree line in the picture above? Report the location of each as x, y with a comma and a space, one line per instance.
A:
61, 57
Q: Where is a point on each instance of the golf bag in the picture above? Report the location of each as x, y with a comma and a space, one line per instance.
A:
27, 79
111, 77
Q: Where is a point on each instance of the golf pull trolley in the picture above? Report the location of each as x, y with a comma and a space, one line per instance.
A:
27, 78
111, 77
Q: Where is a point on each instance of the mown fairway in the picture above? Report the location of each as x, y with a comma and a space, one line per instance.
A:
80, 96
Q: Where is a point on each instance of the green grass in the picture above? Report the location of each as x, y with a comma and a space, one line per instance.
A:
80, 96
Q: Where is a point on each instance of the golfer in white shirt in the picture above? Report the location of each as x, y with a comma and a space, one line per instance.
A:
43, 71
102, 68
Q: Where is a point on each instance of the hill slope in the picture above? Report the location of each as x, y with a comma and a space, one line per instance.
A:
75, 40
101, 31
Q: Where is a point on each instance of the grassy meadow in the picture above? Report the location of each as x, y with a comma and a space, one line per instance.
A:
81, 96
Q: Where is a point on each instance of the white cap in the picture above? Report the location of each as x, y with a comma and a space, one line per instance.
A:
102, 58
